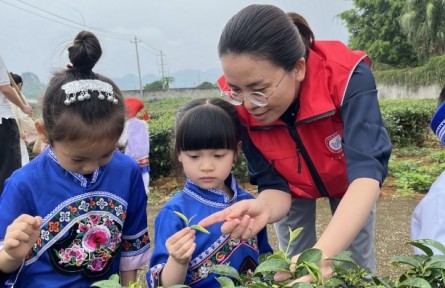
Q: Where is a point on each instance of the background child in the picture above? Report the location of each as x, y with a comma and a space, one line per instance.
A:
76, 214
428, 218
28, 132
136, 138
207, 144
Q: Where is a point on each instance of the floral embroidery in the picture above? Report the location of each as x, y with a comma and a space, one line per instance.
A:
202, 270
91, 245
85, 232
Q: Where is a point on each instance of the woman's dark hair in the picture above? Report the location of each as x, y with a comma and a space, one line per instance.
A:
17, 78
207, 124
88, 119
267, 32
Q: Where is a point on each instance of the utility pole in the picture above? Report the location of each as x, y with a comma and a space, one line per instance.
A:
139, 68
162, 71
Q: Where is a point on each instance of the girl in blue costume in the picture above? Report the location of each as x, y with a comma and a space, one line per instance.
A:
207, 144
76, 214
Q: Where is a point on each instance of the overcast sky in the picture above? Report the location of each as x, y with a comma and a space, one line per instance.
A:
34, 35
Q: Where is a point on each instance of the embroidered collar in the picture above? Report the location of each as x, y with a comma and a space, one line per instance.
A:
213, 197
79, 178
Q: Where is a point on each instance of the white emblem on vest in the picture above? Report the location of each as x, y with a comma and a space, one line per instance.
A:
333, 142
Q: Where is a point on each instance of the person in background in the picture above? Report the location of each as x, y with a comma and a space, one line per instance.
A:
10, 159
76, 214
313, 129
28, 132
136, 138
207, 142
428, 218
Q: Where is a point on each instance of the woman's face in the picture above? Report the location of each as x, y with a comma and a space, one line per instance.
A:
245, 74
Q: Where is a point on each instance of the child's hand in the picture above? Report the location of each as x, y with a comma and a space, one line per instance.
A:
21, 236
181, 245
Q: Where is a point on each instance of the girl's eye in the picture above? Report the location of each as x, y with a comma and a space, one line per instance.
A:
219, 155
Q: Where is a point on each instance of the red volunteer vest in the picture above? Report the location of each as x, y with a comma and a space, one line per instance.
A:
309, 155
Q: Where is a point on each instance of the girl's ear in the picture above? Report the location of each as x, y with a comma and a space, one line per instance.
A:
41, 130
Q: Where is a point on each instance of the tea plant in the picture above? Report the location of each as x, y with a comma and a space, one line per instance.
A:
187, 222
113, 282
423, 271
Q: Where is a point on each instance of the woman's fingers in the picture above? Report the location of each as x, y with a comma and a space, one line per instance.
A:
229, 214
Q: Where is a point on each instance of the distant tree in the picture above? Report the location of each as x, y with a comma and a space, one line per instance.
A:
206, 85
374, 28
154, 86
423, 21
160, 85
166, 81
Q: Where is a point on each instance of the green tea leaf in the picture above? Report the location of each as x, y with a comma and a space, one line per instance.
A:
310, 255
190, 219
344, 257
226, 270
272, 265
423, 244
226, 282
409, 260
415, 282
200, 228
183, 217
294, 234
106, 284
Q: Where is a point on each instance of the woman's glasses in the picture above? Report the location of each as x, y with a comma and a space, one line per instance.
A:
257, 98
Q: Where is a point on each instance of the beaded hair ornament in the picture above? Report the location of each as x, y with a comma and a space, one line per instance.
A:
79, 91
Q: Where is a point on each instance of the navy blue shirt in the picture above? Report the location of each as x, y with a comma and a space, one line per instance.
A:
365, 142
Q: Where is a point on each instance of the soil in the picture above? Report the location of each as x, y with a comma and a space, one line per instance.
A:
392, 223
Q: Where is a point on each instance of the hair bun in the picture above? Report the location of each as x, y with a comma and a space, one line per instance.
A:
84, 52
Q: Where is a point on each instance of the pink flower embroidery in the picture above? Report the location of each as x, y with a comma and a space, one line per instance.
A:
74, 254
97, 264
95, 219
97, 237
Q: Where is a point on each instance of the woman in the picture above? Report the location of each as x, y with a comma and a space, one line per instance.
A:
313, 129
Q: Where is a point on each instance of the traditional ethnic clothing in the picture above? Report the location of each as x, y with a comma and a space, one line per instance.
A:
211, 249
92, 226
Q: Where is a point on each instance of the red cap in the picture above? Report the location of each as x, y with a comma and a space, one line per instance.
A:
133, 106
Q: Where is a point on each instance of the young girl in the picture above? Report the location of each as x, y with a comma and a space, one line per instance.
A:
136, 138
207, 143
76, 214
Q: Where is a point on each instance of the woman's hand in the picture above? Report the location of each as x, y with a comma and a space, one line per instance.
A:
181, 245
243, 219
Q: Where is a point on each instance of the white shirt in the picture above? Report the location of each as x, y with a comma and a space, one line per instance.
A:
5, 105
428, 218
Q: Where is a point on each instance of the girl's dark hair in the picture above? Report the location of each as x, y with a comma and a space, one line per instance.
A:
88, 119
207, 124
269, 33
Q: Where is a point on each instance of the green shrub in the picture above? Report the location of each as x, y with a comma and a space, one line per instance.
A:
407, 120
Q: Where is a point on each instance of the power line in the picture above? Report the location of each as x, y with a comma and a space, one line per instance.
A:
105, 33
